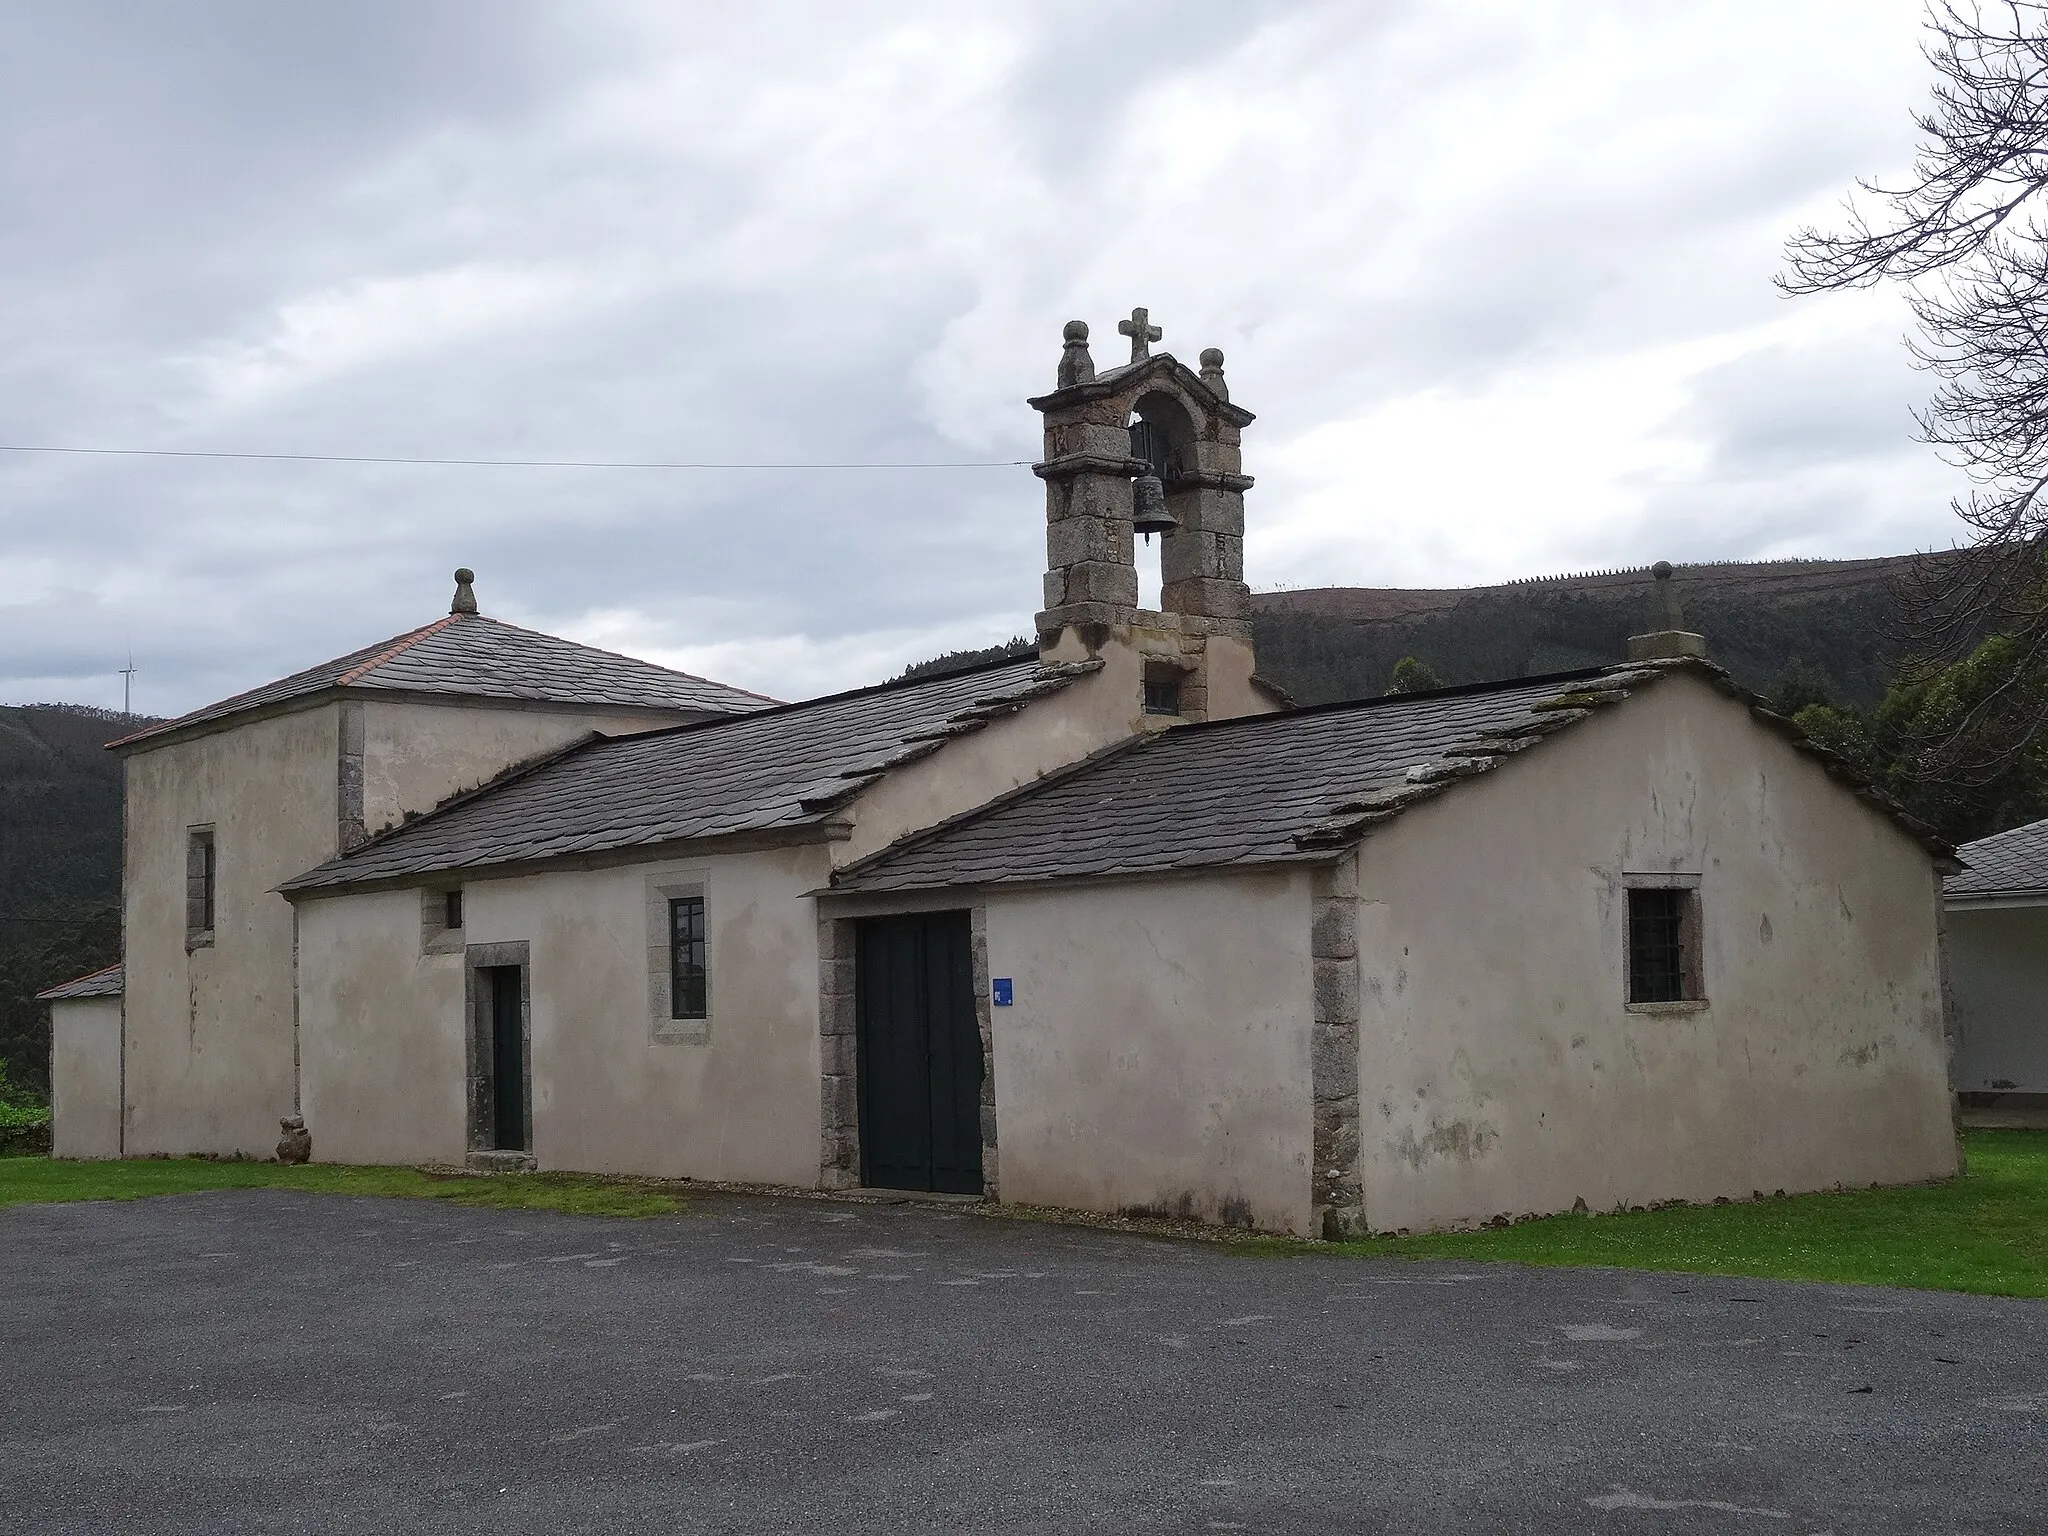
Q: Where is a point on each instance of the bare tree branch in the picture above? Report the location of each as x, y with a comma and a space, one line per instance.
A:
1967, 234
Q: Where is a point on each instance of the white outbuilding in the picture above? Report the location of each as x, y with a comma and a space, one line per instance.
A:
1998, 970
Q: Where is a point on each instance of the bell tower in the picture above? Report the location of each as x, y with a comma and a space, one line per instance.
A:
1149, 447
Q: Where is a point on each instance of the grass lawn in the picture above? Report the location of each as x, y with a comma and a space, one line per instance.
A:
1986, 1232
32, 1180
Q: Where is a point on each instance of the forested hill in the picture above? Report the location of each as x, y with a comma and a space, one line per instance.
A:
1759, 617
60, 863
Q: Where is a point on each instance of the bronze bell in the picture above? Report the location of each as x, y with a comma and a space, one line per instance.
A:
1150, 515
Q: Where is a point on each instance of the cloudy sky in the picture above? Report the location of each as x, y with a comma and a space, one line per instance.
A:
1495, 276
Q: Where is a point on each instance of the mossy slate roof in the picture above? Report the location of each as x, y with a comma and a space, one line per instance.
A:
1261, 789
471, 655
774, 770
1281, 788
2011, 863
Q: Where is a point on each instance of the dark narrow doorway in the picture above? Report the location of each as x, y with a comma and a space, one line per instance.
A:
508, 1060
920, 1053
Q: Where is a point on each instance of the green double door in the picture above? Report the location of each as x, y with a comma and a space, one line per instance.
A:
920, 1061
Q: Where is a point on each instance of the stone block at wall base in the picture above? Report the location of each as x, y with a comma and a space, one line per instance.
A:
501, 1162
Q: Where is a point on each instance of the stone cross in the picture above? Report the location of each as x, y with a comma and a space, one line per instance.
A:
1141, 334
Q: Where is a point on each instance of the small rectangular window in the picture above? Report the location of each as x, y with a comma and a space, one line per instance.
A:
201, 885
1162, 691
688, 973
451, 910
1663, 945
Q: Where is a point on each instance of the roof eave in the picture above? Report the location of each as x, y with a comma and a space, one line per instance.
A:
2035, 896
173, 734
1294, 859
824, 830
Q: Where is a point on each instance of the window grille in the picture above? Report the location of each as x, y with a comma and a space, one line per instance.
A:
1663, 945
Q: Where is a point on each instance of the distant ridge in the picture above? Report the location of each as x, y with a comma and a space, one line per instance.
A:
60, 863
1759, 616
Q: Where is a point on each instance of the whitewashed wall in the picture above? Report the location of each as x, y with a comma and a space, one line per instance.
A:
85, 1077
210, 1031
1501, 1073
383, 1023
1998, 976
1156, 1055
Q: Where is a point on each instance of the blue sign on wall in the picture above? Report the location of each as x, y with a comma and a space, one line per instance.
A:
1002, 991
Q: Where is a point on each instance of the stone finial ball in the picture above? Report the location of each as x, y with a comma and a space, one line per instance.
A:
1077, 330
1212, 357
465, 574
1661, 570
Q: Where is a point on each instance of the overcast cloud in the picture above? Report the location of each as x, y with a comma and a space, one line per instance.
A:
1495, 277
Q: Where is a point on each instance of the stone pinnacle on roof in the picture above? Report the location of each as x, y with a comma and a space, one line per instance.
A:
1076, 366
1674, 639
465, 594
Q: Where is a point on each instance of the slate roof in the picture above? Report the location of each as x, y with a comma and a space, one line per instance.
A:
2011, 863
468, 654
1269, 788
775, 769
106, 982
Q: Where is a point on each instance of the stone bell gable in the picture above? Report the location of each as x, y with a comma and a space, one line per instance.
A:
1106, 435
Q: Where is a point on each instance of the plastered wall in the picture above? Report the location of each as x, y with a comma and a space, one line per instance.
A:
1156, 1055
1501, 1073
383, 1025
1091, 713
85, 1077
416, 755
382, 1047
210, 1031
1998, 976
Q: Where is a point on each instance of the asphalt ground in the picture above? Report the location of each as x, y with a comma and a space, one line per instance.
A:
267, 1361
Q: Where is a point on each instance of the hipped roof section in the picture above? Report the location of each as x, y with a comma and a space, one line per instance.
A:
1274, 789
2007, 865
780, 770
471, 655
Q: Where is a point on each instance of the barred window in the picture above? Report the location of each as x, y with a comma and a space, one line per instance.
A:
1663, 945
688, 971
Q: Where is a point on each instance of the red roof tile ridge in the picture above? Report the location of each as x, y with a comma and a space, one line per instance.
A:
394, 650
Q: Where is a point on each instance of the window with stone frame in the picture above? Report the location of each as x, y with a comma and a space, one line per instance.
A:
678, 938
689, 960
1663, 941
441, 921
202, 871
1162, 688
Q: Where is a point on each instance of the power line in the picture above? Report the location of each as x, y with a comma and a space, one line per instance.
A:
361, 458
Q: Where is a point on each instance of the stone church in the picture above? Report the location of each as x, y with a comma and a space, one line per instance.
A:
1108, 926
